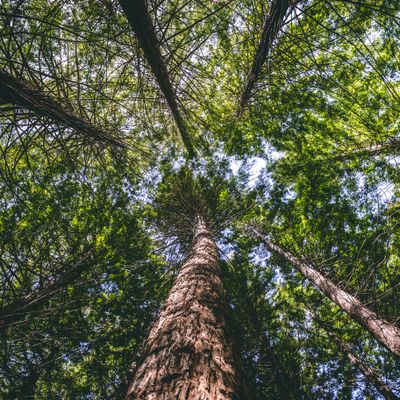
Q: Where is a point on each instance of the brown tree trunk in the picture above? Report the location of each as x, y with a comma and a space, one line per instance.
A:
22, 94
385, 332
369, 373
189, 353
272, 26
139, 19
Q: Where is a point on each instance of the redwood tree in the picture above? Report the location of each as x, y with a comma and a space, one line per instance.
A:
385, 332
82, 277
190, 351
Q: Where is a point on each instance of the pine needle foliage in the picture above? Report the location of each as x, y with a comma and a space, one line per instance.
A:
291, 108
184, 196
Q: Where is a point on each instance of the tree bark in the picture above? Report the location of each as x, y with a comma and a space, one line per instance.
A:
272, 26
369, 373
385, 332
19, 92
189, 354
139, 19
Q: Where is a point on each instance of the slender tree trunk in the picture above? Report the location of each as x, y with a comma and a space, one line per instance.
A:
189, 353
22, 94
17, 310
385, 332
139, 19
369, 373
272, 26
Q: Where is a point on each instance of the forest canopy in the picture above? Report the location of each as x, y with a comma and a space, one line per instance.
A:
199, 199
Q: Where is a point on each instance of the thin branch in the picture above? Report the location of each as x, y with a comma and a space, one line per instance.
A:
17, 310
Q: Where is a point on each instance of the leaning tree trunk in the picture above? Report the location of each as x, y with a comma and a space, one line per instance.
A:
272, 26
138, 16
21, 93
189, 353
17, 310
369, 373
385, 332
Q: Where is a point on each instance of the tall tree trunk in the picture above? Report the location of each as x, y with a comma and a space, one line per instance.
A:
385, 332
272, 26
189, 353
22, 94
369, 373
139, 19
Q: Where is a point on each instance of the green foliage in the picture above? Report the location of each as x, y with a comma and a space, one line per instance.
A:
323, 119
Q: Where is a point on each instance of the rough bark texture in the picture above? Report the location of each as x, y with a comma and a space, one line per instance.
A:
139, 19
385, 332
22, 94
369, 373
189, 353
272, 26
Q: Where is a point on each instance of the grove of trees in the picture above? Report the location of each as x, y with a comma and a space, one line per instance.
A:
199, 200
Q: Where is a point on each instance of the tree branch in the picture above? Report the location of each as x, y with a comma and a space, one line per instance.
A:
16, 310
